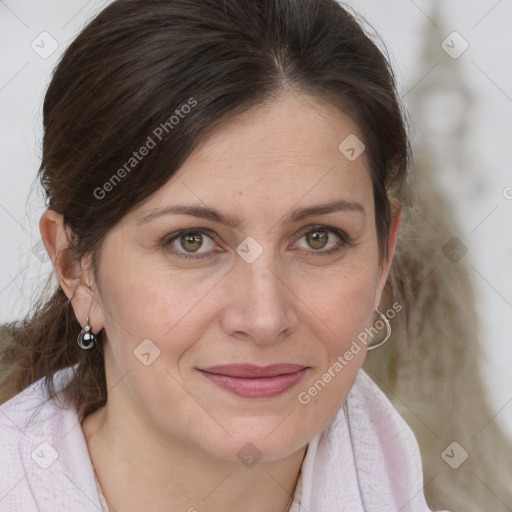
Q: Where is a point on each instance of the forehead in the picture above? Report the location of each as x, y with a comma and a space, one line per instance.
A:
291, 127
276, 155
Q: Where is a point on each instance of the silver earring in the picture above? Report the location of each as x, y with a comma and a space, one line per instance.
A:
388, 333
86, 337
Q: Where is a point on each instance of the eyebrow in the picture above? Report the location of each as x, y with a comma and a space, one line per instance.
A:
296, 215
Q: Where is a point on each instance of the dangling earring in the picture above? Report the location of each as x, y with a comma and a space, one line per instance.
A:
86, 337
388, 329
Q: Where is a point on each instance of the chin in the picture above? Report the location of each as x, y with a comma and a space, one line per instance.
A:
254, 439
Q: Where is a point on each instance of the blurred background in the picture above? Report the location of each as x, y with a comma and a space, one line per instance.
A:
453, 62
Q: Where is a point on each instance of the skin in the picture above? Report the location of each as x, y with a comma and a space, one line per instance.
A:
168, 437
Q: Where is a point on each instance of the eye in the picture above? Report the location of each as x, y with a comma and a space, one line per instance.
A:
186, 244
321, 237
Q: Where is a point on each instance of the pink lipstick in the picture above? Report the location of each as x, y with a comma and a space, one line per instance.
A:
251, 381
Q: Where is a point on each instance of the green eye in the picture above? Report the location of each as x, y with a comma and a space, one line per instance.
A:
188, 243
319, 237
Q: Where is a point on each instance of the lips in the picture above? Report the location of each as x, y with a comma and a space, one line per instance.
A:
252, 381
252, 371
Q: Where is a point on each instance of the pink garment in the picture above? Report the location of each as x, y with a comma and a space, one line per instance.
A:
366, 460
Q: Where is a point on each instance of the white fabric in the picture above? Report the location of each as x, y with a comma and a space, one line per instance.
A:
366, 460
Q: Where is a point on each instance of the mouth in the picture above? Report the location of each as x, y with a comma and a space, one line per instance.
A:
251, 381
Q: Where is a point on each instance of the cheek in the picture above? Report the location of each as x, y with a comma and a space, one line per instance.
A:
345, 303
342, 313
143, 302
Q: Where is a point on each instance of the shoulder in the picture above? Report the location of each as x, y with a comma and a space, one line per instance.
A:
22, 415
44, 459
32, 410
384, 447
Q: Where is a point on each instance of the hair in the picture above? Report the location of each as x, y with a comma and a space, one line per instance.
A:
139, 62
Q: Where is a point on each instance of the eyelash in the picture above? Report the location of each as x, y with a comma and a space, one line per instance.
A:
345, 242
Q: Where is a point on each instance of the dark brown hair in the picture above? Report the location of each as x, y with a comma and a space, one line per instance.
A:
141, 61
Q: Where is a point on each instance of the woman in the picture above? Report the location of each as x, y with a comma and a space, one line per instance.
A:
224, 183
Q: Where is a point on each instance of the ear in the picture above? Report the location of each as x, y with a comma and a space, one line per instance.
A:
76, 281
385, 266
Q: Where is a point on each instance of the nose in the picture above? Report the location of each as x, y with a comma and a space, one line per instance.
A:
261, 305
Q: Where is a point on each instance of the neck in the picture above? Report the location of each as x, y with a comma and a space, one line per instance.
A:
168, 475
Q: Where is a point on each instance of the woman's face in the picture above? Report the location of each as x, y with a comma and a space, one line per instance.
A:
292, 281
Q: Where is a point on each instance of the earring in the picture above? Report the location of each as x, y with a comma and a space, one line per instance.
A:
86, 337
388, 329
